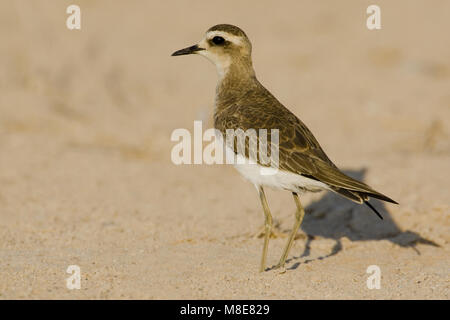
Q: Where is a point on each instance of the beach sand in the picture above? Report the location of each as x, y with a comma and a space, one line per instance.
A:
86, 176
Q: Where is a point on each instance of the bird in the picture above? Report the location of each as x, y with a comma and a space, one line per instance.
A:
242, 102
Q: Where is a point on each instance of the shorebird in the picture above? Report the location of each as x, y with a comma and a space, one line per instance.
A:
242, 102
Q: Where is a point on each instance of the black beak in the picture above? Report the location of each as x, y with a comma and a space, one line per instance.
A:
188, 50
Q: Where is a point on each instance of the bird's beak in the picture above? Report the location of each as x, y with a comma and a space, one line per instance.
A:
188, 50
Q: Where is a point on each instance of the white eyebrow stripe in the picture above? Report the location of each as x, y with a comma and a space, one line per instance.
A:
230, 37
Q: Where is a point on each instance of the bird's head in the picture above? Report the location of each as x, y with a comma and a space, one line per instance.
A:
224, 45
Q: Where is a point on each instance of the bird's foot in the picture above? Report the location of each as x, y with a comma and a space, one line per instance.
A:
280, 267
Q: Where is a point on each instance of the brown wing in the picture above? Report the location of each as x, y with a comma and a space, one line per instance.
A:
311, 161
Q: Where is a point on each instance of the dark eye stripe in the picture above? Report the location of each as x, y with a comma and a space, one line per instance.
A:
218, 40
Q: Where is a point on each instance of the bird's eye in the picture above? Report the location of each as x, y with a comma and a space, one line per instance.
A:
218, 40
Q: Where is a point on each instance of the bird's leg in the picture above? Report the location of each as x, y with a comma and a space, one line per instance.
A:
298, 221
268, 227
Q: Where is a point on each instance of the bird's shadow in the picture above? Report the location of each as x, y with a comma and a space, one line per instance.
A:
335, 217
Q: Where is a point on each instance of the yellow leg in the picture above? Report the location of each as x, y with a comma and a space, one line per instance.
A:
299, 214
267, 227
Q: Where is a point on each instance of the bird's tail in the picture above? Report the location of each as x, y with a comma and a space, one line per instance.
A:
363, 197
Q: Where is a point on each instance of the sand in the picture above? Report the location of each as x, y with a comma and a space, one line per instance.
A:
86, 176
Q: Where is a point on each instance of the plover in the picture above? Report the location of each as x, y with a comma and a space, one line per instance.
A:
242, 102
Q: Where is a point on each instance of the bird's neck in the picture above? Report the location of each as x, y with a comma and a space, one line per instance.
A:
234, 81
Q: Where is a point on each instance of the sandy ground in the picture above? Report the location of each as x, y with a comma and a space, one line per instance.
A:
85, 171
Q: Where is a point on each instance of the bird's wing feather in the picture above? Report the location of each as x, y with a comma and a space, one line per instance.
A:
299, 151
